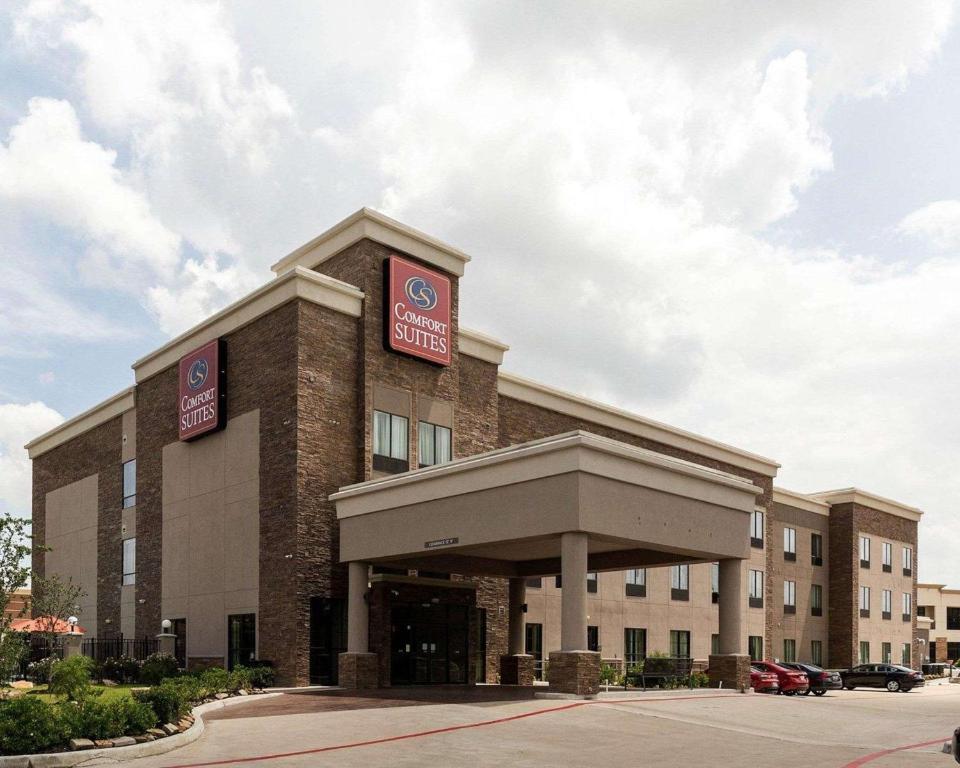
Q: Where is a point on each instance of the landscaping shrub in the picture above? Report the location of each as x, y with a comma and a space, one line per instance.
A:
261, 677
158, 666
239, 679
122, 669
169, 700
699, 680
27, 724
12, 650
215, 679
121, 716
71, 678
39, 671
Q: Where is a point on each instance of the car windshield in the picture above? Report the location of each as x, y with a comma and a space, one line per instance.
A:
811, 668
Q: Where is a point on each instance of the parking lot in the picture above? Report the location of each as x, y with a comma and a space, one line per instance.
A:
486, 727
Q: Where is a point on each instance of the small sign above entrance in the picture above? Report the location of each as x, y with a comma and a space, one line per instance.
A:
441, 543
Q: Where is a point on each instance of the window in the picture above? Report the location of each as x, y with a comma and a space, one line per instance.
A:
636, 585
535, 582
789, 650
593, 638
558, 582
755, 647
907, 606
816, 652
886, 652
953, 618
592, 583
634, 646
816, 549
434, 444
533, 644
789, 543
241, 639
790, 598
390, 442
953, 652
886, 604
715, 645
864, 652
680, 582
715, 582
907, 561
680, 643
129, 561
864, 552
816, 600
756, 589
756, 529
887, 557
129, 483
905, 655
865, 602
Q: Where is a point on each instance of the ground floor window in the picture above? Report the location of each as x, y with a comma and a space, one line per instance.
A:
864, 652
755, 647
634, 646
816, 652
953, 652
328, 638
593, 638
789, 650
886, 650
905, 654
534, 646
241, 639
715, 645
680, 643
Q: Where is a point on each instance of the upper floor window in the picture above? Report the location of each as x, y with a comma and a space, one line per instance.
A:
715, 582
907, 606
907, 561
865, 602
680, 582
789, 543
756, 589
129, 561
434, 444
592, 582
390, 439
886, 604
789, 597
953, 618
816, 549
756, 529
864, 552
816, 600
129, 483
887, 557
636, 582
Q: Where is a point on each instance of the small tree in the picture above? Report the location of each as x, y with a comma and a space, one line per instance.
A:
54, 600
13, 648
15, 548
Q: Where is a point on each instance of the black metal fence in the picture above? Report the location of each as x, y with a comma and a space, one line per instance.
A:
101, 649
39, 648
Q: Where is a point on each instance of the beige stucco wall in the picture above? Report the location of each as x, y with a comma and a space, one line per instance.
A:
211, 532
875, 629
71, 535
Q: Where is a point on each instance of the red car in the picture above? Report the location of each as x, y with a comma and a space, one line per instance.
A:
763, 682
791, 681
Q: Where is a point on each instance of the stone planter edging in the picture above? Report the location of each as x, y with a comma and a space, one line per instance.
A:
121, 754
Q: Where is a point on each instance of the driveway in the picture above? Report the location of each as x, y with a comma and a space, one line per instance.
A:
489, 726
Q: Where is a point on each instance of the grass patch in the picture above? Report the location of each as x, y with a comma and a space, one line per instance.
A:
108, 692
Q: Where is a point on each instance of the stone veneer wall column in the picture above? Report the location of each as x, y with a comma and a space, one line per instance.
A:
95, 452
516, 667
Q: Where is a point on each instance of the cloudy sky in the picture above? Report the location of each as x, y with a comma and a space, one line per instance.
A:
739, 218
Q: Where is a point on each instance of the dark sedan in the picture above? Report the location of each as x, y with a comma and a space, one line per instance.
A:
889, 676
821, 681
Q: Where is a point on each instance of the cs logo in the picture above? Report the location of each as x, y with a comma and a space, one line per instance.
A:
197, 375
421, 294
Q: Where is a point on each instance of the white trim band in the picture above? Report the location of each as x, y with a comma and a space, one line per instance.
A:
93, 417
481, 346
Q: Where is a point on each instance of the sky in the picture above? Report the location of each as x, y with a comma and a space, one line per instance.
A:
742, 219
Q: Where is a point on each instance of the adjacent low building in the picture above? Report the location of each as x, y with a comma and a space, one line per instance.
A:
332, 475
940, 607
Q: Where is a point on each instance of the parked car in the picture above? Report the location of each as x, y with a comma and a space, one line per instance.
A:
890, 676
820, 680
764, 682
790, 680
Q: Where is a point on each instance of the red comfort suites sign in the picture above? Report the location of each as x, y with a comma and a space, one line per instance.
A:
417, 315
202, 400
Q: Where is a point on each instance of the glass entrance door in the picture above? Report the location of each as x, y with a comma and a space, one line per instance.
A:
328, 638
534, 646
428, 644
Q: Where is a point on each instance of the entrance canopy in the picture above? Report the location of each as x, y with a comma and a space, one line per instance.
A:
503, 513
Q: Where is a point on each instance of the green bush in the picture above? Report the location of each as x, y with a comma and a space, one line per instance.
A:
122, 669
157, 667
261, 677
27, 724
13, 648
169, 700
71, 678
239, 679
699, 680
115, 717
39, 671
215, 679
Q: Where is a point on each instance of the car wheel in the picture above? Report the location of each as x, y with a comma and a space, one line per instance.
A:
893, 686
819, 693
806, 692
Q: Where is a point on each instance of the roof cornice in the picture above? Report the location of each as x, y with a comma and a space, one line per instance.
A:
481, 346
297, 283
800, 501
867, 499
525, 390
92, 417
373, 225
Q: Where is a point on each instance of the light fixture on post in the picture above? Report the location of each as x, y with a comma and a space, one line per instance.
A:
165, 625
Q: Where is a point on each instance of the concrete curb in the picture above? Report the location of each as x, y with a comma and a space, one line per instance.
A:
122, 754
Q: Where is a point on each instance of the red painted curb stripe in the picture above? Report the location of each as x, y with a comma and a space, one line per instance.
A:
448, 729
884, 752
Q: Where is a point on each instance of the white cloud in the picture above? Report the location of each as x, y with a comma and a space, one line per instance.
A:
18, 425
937, 223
